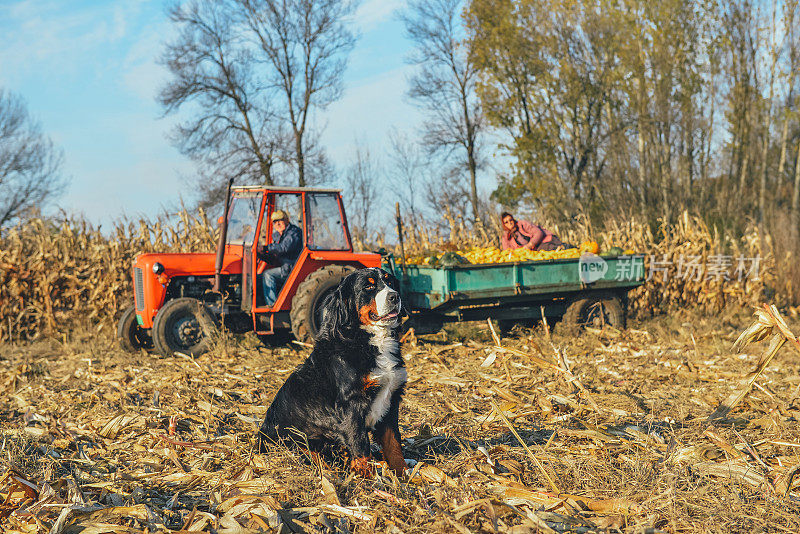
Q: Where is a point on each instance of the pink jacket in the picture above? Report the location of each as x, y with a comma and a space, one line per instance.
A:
529, 232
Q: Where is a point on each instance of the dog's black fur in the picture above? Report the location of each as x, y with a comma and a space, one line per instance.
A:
326, 402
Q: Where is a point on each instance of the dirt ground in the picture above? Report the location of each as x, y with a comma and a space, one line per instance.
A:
556, 430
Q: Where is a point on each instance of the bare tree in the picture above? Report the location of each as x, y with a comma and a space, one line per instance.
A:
773, 45
30, 166
791, 14
447, 196
232, 130
305, 45
362, 194
406, 168
444, 85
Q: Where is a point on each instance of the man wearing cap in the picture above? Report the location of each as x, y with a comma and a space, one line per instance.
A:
287, 243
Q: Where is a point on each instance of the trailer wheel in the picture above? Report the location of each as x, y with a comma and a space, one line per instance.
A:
507, 325
183, 325
596, 311
428, 324
130, 335
306, 312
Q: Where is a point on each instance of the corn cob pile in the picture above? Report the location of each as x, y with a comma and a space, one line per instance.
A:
492, 254
689, 238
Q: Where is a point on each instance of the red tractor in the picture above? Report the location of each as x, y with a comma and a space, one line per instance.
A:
180, 299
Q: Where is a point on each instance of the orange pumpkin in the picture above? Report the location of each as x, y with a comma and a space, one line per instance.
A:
590, 246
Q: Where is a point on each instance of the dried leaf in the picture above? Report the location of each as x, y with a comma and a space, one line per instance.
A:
329, 492
115, 426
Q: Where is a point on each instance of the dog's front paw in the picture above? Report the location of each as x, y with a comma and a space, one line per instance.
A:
362, 467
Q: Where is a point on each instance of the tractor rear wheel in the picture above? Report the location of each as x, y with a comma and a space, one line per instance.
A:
130, 335
596, 311
183, 325
306, 313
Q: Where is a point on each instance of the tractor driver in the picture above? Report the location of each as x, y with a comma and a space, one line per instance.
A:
287, 243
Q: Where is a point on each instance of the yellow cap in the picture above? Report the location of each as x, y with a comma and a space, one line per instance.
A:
279, 215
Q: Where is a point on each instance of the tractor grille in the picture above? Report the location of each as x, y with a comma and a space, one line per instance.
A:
138, 288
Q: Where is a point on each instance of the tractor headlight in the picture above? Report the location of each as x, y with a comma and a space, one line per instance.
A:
158, 268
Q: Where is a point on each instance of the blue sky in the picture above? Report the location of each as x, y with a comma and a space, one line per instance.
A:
88, 72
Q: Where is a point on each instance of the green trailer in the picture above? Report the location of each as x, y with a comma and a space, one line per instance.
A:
591, 290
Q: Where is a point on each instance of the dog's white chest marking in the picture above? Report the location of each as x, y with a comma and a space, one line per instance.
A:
386, 373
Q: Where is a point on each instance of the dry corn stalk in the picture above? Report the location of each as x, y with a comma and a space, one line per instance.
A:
768, 323
55, 276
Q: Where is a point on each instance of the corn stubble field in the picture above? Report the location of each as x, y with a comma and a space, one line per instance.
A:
549, 431
663, 427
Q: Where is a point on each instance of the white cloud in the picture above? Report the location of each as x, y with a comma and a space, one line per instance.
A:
144, 79
373, 12
368, 111
137, 173
142, 75
98, 64
57, 39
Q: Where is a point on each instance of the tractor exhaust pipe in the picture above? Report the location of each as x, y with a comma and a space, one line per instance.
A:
223, 237
400, 235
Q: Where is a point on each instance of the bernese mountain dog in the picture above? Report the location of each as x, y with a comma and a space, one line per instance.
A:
352, 382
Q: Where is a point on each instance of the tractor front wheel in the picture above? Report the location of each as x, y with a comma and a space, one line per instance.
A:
306, 313
130, 335
183, 325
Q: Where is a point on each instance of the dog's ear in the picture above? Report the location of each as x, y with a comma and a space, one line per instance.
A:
338, 313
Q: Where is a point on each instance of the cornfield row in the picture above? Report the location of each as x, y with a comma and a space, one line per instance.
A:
57, 276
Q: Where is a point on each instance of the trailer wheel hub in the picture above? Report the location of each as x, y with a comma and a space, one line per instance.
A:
596, 315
